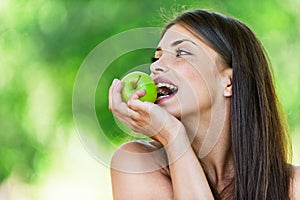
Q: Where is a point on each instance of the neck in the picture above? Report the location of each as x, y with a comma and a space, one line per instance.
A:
211, 141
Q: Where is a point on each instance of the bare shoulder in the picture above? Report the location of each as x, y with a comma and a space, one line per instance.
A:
140, 146
139, 157
296, 188
138, 171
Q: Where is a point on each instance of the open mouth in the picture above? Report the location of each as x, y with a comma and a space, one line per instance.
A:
165, 90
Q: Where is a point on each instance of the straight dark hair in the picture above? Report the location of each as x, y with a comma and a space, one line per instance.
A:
260, 142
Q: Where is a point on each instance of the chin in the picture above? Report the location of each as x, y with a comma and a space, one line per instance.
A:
173, 111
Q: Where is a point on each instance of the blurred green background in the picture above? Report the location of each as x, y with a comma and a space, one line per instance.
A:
43, 44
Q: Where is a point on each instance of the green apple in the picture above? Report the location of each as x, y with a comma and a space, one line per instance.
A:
135, 81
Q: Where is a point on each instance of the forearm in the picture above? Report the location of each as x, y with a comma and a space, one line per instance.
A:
187, 175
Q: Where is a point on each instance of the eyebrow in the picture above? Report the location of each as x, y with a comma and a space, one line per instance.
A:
177, 42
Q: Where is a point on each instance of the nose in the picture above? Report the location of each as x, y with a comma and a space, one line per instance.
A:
157, 69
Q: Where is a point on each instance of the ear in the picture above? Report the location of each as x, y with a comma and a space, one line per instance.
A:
227, 82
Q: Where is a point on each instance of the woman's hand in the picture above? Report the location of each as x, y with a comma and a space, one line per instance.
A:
143, 117
151, 120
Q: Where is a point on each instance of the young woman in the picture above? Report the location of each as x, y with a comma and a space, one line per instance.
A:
217, 126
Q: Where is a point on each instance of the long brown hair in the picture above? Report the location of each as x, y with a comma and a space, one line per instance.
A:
260, 142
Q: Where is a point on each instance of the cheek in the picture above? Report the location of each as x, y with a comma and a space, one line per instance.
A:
198, 84
196, 92
201, 75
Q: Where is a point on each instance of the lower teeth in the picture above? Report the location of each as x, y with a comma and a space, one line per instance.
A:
162, 97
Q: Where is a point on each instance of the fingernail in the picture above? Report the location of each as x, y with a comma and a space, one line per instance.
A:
115, 81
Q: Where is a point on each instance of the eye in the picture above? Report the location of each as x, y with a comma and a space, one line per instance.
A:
180, 52
154, 59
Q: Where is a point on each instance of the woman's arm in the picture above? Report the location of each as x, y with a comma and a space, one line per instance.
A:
188, 180
296, 183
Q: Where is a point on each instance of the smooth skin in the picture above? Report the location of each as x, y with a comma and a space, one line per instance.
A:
184, 60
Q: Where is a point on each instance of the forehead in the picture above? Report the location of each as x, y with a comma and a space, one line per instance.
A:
179, 32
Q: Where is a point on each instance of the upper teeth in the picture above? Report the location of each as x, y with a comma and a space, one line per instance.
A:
171, 87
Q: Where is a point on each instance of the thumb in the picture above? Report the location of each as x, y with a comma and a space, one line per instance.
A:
137, 94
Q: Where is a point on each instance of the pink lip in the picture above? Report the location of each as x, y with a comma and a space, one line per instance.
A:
164, 99
163, 80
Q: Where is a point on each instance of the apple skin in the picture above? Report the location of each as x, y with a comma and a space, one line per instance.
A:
135, 81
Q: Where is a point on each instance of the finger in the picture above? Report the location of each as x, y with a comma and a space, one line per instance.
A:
129, 118
136, 104
125, 111
134, 98
110, 92
112, 85
137, 94
119, 86
117, 106
115, 97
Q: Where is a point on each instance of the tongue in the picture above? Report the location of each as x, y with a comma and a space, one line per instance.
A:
163, 91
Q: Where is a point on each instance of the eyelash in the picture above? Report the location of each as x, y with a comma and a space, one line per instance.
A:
178, 53
153, 59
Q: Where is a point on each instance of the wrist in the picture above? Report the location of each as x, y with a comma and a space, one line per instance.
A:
178, 144
172, 129
174, 139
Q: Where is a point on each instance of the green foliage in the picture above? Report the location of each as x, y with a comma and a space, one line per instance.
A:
43, 43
